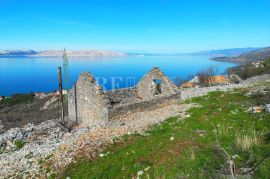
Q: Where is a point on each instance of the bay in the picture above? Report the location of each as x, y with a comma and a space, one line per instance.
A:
28, 74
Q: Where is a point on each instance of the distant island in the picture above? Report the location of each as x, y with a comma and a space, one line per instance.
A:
107, 53
235, 55
59, 53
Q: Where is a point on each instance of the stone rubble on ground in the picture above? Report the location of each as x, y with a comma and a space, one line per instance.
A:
259, 91
50, 103
194, 92
256, 109
267, 108
2, 128
40, 140
49, 145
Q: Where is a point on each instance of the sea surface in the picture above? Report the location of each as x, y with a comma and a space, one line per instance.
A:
27, 74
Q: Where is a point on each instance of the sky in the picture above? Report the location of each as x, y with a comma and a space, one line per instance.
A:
134, 25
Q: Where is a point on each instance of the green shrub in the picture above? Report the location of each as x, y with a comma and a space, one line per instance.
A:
17, 99
19, 144
248, 70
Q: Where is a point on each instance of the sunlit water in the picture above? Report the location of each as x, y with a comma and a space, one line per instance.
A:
24, 74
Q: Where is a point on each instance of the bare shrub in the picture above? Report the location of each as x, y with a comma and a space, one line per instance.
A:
206, 76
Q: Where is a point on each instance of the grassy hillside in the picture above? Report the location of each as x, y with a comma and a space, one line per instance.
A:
249, 70
192, 147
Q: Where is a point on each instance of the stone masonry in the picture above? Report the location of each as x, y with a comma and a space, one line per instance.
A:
89, 105
146, 88
86, 102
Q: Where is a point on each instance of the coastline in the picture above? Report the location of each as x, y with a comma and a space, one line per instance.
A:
226, 59
130, 66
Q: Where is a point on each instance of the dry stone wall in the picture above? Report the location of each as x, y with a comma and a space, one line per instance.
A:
122, 96
146, 88
120, 112
89, 105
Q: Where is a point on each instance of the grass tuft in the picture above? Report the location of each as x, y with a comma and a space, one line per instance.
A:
192, 155
246, 142
19, 144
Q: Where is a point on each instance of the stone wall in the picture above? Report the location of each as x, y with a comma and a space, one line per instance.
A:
122, 96
89, 105
86, 102
119, 112
146, 88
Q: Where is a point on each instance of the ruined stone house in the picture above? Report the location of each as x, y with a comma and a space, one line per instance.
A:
88, 104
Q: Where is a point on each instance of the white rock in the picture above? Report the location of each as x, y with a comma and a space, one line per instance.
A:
147, 168
267, 108
139, 173
101, 155
256, 109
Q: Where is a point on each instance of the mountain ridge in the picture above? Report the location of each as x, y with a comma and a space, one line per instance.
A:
256, 55
230, 52
59, 53
89, 53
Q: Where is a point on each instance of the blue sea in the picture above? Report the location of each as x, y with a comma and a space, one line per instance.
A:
27, 74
